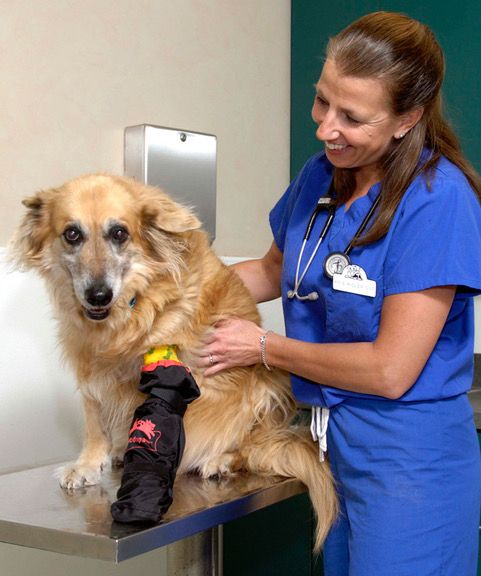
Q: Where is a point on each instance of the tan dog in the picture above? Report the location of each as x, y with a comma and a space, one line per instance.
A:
129, 269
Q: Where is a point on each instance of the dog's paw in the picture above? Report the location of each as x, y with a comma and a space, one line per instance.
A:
220, 466
76, 475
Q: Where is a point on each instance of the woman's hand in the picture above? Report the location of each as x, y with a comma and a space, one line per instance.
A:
232, 342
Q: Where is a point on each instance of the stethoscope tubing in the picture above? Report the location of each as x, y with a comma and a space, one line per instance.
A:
326, 203
298, 281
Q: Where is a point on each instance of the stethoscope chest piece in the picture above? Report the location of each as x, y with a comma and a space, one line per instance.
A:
335, 263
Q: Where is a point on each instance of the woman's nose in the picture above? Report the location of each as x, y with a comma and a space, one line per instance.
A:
327, 128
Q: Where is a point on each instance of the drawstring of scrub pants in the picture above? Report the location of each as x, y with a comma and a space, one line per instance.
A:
319, 421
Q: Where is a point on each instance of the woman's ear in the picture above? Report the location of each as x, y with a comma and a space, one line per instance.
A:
408, 121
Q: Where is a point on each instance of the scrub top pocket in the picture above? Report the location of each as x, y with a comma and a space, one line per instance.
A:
353, 317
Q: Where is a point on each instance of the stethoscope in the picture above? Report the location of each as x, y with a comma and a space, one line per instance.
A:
335, 262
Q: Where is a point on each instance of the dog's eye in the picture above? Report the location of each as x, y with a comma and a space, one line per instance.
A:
73, 235
119, 234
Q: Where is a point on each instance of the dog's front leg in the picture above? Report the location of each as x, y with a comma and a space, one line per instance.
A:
87, 470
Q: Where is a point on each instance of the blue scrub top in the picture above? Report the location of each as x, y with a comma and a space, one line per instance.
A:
434, 240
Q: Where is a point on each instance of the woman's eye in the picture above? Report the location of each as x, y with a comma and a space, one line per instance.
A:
352, 120
119, 234
72, 235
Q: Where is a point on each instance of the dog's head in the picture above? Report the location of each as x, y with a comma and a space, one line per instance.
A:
98, 233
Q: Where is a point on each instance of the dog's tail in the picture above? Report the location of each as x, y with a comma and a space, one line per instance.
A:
291, 453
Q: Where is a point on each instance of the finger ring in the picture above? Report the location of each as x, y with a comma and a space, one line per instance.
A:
211, 360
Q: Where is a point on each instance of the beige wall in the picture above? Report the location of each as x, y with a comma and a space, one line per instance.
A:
75, 73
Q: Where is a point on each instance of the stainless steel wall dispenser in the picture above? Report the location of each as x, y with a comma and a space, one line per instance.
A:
180, 162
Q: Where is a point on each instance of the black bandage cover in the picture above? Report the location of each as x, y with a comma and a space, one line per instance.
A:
156, 442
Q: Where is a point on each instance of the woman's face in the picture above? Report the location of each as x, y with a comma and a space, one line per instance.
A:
354, 120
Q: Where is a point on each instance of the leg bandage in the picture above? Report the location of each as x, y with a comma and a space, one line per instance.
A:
156, 438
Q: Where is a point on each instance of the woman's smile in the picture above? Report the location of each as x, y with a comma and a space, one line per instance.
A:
335, 147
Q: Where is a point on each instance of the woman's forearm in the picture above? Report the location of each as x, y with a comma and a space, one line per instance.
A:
358, 367
410, 326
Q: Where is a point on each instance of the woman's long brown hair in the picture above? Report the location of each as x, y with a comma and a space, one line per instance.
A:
404, 54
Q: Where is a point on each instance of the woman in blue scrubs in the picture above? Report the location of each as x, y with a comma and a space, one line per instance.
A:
379, 314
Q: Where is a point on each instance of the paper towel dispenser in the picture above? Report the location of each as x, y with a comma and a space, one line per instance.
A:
181, 162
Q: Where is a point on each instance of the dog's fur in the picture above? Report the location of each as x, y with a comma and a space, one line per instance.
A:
100, 241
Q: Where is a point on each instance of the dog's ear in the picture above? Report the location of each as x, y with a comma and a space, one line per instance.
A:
26, 246
161, 212
165, 228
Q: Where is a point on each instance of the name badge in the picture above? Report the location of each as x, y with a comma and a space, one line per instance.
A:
353, 279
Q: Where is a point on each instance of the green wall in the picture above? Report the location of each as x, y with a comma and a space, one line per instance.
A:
274, 541
457, 26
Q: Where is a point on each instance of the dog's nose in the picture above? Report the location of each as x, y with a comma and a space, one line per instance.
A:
99, 294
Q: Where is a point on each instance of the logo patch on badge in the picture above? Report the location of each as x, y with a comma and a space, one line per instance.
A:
354, 279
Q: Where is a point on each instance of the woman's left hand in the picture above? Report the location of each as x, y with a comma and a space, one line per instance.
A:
232, 342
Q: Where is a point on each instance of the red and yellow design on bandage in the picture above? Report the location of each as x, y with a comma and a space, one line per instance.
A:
161, 356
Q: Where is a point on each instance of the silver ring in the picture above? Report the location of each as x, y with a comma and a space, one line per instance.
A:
211, 360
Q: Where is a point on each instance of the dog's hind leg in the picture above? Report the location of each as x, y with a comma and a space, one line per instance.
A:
291, 453
95, 454
222, 465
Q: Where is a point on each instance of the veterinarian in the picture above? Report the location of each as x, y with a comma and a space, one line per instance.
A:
377, 257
